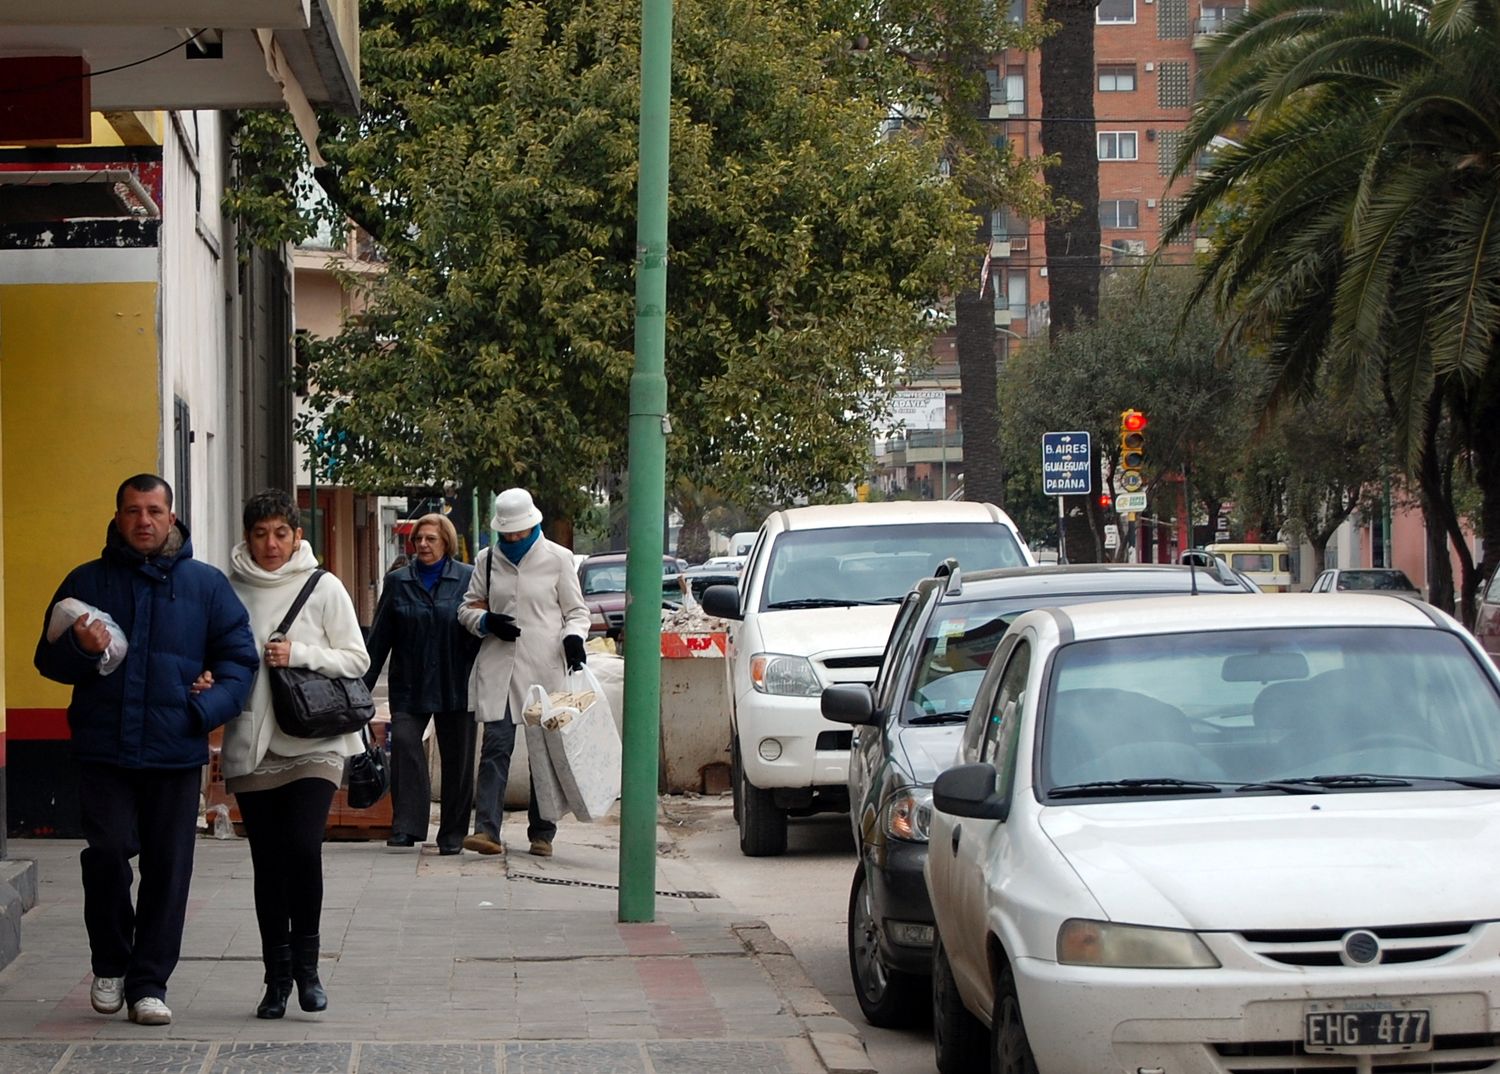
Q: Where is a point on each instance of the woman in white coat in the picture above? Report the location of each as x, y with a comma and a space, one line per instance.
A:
285, 785
525, 604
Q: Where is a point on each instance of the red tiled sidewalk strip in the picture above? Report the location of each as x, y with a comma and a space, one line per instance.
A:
680, 1004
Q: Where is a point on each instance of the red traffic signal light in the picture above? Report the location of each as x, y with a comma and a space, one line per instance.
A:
1133, 421
1106, 501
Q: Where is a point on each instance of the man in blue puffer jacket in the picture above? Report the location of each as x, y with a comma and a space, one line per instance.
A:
140, 734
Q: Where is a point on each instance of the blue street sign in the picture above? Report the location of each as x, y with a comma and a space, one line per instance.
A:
1065, 464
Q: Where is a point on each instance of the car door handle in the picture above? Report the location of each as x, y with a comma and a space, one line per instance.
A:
958, 831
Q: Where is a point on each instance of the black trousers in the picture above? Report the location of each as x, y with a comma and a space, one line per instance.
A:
285, 826
411, 785
153, 813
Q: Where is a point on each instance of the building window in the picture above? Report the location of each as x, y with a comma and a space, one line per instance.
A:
1117, 78
1116, 11
1120, 214
1171, 208
1015, 90
1017, 12
182, 458
1117, 145
1168, 148
1011, 298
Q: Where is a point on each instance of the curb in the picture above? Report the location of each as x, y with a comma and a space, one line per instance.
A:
836, 1042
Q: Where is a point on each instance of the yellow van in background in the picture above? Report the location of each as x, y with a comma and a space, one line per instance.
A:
1268, 565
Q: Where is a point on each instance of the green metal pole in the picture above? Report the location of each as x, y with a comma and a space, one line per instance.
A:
647, 490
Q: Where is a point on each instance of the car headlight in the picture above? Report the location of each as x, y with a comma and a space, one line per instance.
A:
908, 814
790, 676
1103, 943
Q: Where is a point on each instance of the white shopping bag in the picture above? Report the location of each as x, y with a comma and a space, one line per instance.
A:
65, 611
551, 802
580, 740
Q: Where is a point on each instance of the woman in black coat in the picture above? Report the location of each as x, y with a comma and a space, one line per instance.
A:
416, 625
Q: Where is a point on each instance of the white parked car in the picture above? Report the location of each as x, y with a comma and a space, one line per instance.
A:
812, 608
1201, 834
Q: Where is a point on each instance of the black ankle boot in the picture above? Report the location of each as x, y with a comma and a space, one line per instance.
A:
278, 962
310, 992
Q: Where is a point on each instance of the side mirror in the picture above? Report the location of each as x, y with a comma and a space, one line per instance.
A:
722, 601
850, 703
969, 791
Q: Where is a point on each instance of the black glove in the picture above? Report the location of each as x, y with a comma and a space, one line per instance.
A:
502, 626
573, 652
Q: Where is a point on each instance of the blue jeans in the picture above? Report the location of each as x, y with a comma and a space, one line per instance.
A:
495, 749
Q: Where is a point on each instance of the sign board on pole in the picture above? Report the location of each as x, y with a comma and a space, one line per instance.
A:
1130, 501
1066, 469
1111, 536
920, 409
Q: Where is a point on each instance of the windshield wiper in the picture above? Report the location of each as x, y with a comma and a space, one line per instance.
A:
1349, 779
1290, 786
1142, 786
944, 717
817, 602
1489, 782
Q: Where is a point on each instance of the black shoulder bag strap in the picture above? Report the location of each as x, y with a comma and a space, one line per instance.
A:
291, 613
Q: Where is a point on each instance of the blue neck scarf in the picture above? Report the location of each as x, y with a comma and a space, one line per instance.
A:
514, 550
429, 576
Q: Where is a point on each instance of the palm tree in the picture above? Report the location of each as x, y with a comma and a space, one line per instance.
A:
1357, 211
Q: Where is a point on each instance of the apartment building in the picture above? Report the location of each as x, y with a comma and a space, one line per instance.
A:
1146, 55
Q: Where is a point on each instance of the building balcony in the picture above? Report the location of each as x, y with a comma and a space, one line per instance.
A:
198, 54
1215, 20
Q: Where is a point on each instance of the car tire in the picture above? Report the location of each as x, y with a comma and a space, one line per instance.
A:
762, 824
888, 998
1010, 1050
959, 1041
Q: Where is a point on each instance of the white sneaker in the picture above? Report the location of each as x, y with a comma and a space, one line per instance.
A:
107, 994
150, 1011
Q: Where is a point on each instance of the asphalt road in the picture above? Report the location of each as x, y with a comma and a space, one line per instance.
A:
804, 897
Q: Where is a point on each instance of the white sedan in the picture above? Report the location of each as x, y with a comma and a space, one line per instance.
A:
1200, 835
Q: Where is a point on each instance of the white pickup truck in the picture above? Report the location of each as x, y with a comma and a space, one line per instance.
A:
813, 608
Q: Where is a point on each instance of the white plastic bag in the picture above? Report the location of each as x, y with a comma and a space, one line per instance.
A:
69, 609
551, 802
580, 740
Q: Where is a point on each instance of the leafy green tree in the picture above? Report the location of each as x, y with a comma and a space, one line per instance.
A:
1131, 357
1324, 461
1360, 212
495, 164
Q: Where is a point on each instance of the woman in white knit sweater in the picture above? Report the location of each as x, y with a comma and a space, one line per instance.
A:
285, 785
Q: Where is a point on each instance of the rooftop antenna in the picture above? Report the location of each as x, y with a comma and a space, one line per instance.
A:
1193, 573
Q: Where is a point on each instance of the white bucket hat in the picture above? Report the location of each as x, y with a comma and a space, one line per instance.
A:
514, 512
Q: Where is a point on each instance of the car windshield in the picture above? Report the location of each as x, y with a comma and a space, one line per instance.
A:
877, 564
1257, 711
1374, 580
599, 578
960, 640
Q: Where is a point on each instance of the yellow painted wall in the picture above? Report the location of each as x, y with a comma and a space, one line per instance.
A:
80, 411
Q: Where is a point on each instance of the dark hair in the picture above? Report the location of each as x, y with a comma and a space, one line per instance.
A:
142, 483
271, 503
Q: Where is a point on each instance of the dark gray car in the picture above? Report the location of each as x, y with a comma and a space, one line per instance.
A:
908, 726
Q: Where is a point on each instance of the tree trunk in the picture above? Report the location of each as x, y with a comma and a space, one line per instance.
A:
1486, 447
1319, 545
978, 402
1067, 84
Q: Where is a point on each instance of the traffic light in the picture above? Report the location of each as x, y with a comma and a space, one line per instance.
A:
1106, 501
1132, 449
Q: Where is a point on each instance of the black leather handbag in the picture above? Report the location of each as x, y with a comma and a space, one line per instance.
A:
368, 774
309, 704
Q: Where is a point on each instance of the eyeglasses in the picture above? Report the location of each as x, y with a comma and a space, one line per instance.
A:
426, 538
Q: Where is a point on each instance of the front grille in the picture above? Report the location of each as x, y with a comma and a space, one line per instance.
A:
1451, 1053
834, 740
1321, 947
871, 660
